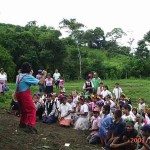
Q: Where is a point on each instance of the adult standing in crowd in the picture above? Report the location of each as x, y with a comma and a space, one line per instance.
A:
56, 77
24, 97
41, 86
49, 84
3, 80
96, 81
19, 72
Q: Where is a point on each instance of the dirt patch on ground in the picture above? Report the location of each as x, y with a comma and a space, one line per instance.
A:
49, 137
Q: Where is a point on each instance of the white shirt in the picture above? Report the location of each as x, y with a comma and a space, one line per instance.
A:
56, 76
105, 93
129, 117
84, 108
88, 83
141, 106
64, 109
99, 90
37, 106
49, 82
3, 76
112, 103
75, 99
117, 92
53, 108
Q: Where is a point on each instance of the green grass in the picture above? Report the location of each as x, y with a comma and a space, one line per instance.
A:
132, 88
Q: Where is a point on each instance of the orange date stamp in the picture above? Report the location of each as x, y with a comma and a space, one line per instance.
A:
137, 140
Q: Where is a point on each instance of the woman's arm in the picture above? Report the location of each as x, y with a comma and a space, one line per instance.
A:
42, 80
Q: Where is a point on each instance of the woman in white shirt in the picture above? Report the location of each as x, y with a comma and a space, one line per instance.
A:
65, 113
3, 80
82, 122
106, 92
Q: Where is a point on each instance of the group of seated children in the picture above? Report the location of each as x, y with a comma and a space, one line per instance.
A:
114, 123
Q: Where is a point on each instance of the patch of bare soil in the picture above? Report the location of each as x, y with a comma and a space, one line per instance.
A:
49, 137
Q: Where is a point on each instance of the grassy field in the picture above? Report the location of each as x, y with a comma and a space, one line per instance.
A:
52, 136
132, 88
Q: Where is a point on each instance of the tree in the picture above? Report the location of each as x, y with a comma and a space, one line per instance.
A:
142, 51
73, 28
71, 25
95, 38
7, 63
53, 51
115, 34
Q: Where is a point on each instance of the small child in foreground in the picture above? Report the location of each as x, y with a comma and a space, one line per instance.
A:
14, 106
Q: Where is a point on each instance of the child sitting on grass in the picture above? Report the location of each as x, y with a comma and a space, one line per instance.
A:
50, 108
94, 138
39, 105
14, 106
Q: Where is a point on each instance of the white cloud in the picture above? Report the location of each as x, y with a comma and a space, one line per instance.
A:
127, 14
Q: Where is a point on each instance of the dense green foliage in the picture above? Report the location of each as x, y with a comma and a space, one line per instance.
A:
44, 49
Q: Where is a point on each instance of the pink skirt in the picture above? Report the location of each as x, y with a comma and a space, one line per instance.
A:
65, 122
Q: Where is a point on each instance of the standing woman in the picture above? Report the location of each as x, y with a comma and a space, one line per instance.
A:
24, 97
3, 80
49, 84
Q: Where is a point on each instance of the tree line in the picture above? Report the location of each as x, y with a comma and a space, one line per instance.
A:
91, 49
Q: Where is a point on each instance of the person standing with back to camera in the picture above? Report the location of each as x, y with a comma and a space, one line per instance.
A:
24, 97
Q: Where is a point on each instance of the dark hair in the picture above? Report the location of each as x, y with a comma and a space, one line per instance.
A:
126, 106
118, 113
49, 95
146, 128
64, 98
87, 78
106, 87
135, 109
107, 108
26, 67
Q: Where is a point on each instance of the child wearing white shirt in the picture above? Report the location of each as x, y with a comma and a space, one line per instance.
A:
117, 91
141, 105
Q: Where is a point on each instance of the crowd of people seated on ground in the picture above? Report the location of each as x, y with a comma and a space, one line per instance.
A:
109, 116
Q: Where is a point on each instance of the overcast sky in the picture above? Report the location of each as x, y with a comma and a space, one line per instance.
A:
130, 15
